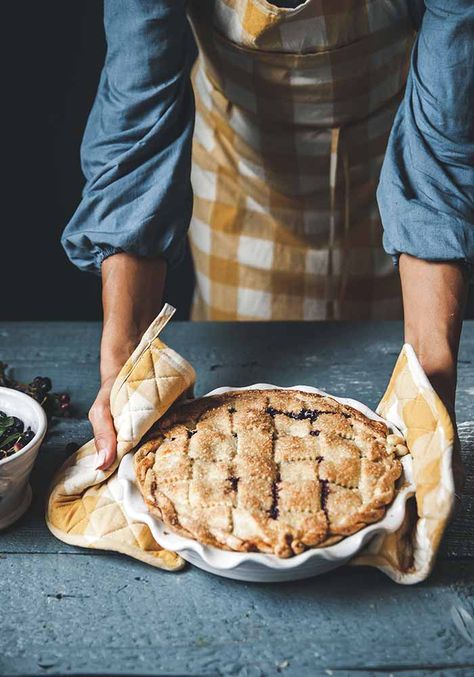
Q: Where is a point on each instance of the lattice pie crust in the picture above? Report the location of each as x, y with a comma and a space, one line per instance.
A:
275, 471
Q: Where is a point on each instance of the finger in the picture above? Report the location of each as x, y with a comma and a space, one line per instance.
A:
104, 433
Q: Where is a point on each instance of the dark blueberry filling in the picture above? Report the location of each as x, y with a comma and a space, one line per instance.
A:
272, 411
324, 494
231, 410
310, 414
314, 433
274, 510
234, 481
191, 433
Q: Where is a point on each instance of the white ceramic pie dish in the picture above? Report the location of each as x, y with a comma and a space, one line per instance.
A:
260, 567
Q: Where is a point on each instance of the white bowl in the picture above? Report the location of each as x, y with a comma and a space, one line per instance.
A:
15, 491
260, 567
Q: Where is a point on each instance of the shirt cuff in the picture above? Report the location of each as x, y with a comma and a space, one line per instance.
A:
104, 253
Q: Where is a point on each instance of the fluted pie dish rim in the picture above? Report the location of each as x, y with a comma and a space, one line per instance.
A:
258, 566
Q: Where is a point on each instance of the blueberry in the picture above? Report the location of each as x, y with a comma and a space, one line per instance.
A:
27, 436
17, 427
42, 383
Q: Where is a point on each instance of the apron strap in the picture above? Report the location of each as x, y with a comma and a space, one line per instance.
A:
337, 149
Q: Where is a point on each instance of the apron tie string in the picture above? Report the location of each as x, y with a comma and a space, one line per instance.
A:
337, 149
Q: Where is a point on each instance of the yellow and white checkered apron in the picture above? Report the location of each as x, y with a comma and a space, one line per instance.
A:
293, 112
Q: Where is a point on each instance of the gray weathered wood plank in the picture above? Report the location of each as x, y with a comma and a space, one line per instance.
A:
117, 616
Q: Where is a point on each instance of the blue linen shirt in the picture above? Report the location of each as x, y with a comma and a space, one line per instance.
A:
426, 188
136, 151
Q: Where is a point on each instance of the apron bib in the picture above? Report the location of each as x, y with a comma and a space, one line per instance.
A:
293, 112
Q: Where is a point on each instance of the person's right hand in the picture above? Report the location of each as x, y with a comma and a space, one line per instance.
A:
103, 426
132, 289
100, 415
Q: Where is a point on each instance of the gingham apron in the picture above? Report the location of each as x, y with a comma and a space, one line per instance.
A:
293, 112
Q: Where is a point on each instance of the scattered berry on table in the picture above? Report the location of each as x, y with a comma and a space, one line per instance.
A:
13, 436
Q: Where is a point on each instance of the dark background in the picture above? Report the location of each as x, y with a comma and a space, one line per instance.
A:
54, 52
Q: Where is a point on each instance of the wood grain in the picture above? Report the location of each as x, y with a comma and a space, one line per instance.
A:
117, 616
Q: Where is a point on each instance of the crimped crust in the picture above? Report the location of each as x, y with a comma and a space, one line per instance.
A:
275, 471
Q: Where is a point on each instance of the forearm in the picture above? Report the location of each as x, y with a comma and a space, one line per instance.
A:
434, 297
132, 290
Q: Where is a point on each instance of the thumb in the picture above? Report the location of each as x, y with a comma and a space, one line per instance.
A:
104, 433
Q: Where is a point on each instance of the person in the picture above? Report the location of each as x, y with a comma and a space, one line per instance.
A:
294, 104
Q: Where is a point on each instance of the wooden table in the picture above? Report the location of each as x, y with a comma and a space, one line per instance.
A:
65, 610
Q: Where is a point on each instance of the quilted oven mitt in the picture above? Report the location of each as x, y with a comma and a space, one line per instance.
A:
85, 506
411, 404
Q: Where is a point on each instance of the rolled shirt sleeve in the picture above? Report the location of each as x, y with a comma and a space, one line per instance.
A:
426, 189
136, 150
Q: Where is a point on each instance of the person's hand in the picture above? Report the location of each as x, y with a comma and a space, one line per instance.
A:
103, 426
434, 297
113, 358
132, 289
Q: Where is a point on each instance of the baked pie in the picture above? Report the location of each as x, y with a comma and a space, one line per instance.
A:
275, 471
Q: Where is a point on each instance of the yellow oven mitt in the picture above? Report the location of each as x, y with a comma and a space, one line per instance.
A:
85, 505
410, 403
